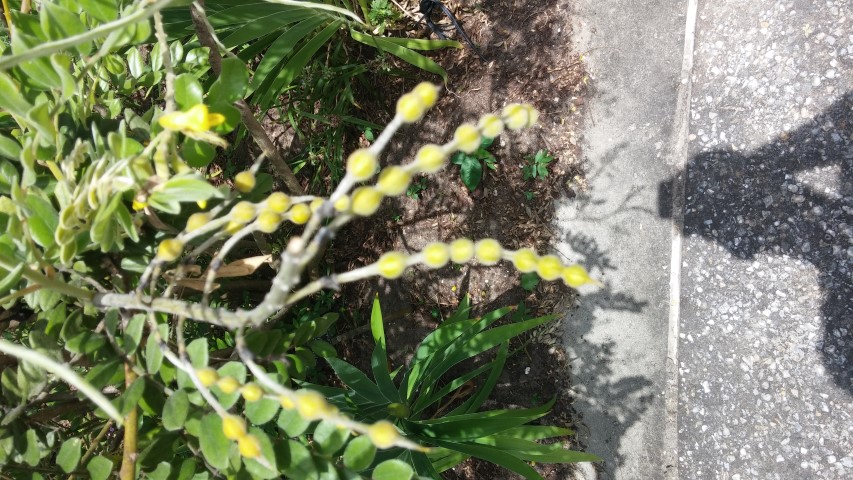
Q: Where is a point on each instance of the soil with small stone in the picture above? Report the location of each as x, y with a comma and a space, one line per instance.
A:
530, 60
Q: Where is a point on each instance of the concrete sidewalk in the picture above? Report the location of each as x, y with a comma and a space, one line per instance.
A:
749, 298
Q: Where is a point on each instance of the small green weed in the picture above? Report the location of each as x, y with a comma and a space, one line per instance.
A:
471, 164
529, 195
537, 165
415, 188
529, 281
382, 14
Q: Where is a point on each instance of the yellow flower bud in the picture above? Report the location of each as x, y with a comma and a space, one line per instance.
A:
312, 405
393, 181
233, 427
300, 214
244, 181
361, 164
278, 202
233, 227
491, 125
461, 250
316, 204
392, 264
525, 260
519, 116
549, 267
411, 108
576, 275
427, 92
488, 251
196, 119
202, 204
251, 392
138, 205
383, 434
207, 376
268, 221
196, 221
286, 402
249, 446
436, 255
365, 201
170, 249
342, 204
430, 158
243, 212
467, 138
228, 385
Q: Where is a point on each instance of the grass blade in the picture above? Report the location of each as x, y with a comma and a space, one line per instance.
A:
401, 52
357, 381
476, 401
422, 44
532, 451
495, 456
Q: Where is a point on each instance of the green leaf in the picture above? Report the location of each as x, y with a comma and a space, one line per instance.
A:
10, 149
197, 154
422, 43
214, 445
472, 426
329, 437
107, 373
99, 467
188, 91
529, 281
32, 452
232, 82
197, 351
11, 98
103, 10
130, 398
133, 333
256, 468
494, 456
321, 348
236, 370
401, 52
393, 470
359, 453
69, 455
532, 451
186, 188
161, 472
43, 220
135, 63
262, 411
175, 410
291, 423
153, 352
470, 170
357, 381
476, 401
300, 463
59, 23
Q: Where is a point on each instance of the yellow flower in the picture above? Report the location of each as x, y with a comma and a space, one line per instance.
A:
383, 434
427, 92
249, 446
411, 108
196, 221
170, 249
207, 376
430, 158
195, 120
576, 275
491, 125
286, 402
233, 227
342, 204
361, 164
436, 255
300, 214
233, 427
228, 385
138, 205
365, 201
244, 181
243, 212
316, 204
268, 221
549, 267
278, 202
392, 264
461, 250
525, 260
251, 392
312, 405
488, 251
467, 138
393, 181
519, 116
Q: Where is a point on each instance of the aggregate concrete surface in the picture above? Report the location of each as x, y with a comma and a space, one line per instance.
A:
765, 332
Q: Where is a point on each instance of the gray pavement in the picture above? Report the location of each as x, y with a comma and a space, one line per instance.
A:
756, 310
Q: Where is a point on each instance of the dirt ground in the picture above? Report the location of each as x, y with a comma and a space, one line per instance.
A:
530, 59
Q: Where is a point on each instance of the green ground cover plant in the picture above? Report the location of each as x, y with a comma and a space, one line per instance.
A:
127, 356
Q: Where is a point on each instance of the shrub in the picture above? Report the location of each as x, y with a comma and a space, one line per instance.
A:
108, 231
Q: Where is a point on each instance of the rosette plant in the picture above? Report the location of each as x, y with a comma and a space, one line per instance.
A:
113, 247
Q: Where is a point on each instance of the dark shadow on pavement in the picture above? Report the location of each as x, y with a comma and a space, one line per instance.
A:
792, 197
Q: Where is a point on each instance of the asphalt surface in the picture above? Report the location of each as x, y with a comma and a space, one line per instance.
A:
749, 298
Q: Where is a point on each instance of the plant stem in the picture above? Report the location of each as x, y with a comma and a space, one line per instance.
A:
92, 446
128, 462
48, 48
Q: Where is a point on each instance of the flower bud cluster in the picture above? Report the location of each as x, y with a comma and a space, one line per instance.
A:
487, 251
